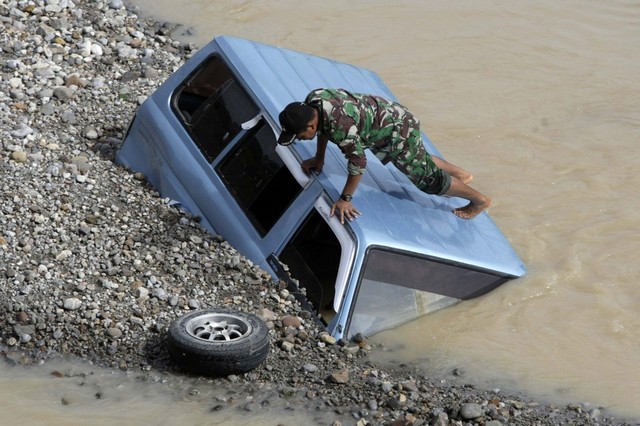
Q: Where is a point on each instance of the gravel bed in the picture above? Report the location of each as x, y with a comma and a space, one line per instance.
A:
95, 265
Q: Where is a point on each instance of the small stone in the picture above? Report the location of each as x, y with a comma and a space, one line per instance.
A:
309, 368
159, 294
114, 333
71, 304
358, 338
19, 156
469, 411
410, 385
327, 338
74, 80
150, 72
351, 350
68, 116
22, 131
63, 93
64, 254
441, 419
24, 329
91, 134
393, 404
340, 376
47, 109
291, 321
266, 315
287, 346
141, 292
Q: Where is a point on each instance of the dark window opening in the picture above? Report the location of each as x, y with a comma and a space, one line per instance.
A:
258, 179
431, 275
313, 258
213, 106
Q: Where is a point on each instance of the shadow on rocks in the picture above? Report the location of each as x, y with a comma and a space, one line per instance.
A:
108, 147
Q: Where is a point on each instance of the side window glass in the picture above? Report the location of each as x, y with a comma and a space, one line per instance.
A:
398, 287
313, 258
258, 179
213, 107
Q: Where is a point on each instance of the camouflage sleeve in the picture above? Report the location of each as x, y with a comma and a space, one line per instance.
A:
353, 151
342, 126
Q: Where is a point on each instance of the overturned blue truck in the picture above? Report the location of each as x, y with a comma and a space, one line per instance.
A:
207, 139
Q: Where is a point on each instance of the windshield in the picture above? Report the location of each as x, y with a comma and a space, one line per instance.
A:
397, 287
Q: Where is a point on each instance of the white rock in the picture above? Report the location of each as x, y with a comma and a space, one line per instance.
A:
71, 304
64, 254
97, 50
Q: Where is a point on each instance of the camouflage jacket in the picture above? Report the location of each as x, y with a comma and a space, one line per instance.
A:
355, 121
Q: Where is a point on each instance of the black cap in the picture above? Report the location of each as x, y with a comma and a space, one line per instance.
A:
294, 119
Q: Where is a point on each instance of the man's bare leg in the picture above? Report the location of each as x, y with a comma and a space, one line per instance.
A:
453, 170
477, 202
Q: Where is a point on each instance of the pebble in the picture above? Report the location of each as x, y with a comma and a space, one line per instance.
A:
159, 293
291, 321
141, 292
470, 411
114, 333
19, 156
328, 339
72, 303
22, 131
310, 368
340, 376
287, 346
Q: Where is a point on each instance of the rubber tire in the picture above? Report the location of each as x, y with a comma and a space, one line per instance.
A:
218, 358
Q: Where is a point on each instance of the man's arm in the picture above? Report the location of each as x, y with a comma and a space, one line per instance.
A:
351, 184
321, 146
316, 163
345, 208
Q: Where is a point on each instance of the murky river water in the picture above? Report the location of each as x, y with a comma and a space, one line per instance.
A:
540, 100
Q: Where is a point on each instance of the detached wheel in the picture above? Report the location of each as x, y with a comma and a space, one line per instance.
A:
218, 342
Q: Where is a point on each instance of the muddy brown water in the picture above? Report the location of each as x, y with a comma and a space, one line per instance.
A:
539, 100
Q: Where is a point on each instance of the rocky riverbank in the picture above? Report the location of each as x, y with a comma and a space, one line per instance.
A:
95, 265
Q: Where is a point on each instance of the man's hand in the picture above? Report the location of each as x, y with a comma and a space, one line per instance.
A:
314, 164
344, 209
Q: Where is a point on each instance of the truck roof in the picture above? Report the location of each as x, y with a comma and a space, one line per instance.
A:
395, 213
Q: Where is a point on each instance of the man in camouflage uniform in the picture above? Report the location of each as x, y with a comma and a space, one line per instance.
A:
355, 122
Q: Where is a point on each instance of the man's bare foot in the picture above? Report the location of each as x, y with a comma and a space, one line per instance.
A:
472, 209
